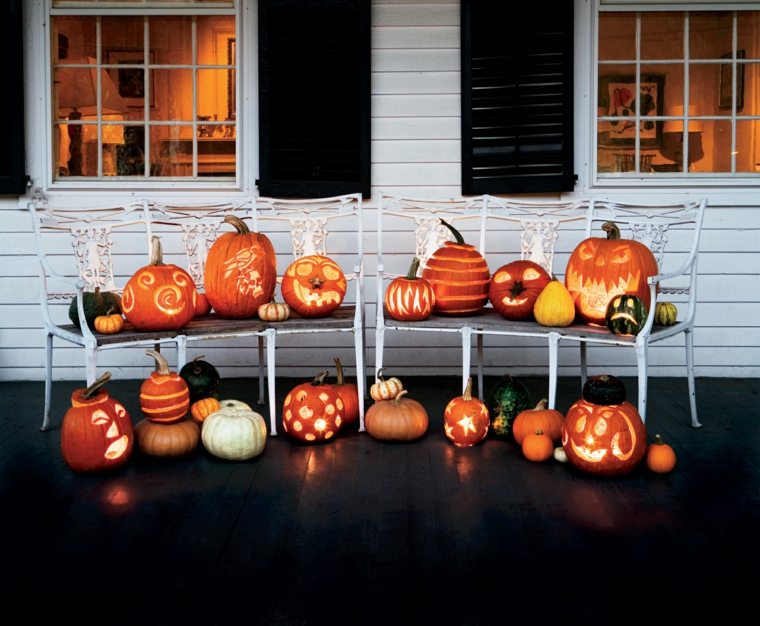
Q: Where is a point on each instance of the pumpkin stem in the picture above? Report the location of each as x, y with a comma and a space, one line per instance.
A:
399, 394
539, 431
340, 380
467, 395
319, 379
238, 223
541, 405
612, 230
412, 273
197, 369
455, 232
95, 387
156, 253
658, 440
162, 367
379, 376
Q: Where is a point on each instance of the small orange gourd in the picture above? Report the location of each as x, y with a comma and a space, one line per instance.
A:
201, 409
110, 323
661, 458
537, 446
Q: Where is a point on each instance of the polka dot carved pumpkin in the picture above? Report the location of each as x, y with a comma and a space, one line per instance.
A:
313, 412
314, 286
159, 296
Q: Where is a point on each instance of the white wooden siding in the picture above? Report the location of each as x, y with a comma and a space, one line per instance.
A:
415, 151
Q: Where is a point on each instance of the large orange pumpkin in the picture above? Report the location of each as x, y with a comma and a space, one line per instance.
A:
241, 271
466, 420
159, 296
164, 395
312, 411
600, 269
409, 298
399, 419
459, 275
604, 439
96, 432
314, 286
515, 287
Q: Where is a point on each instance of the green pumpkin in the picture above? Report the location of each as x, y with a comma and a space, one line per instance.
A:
95, 303
507, 399
202, 379
604, 389
626, 315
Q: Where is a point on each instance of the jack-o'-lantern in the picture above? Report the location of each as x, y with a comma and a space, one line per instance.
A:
604, 439
466, 419
515, 287
314, 286
241, 271
96, 432
312, 411
409, 298
164, 395
459, 275
600, 269
159, 296
626, 315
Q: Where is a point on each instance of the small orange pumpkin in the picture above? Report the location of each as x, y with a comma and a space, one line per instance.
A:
164, 395
466, 419
349, 393
528, 421
202, 305
201, 409
537, 446
384, 389
409, 298
400, 419
109, 324
314, 286
274, 311
661, 458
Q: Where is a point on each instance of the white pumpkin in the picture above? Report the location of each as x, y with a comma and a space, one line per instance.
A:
234, 432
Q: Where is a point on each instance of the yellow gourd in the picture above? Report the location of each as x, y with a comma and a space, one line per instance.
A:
665, 313
554, 306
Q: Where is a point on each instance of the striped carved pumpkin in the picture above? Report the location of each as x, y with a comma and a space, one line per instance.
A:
164, 395
459, 275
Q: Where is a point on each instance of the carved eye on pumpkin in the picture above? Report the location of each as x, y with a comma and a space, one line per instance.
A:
531, 274
586, 250
621, 254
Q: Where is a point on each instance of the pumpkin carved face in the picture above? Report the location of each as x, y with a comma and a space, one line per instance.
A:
515, 287
159, 296
604, 439
96, 432
600, 269
313, 412
314, 286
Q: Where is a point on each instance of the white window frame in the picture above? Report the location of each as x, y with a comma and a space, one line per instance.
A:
738, 180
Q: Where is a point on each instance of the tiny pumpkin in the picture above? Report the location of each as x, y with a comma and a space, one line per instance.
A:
110, 323
549, 421
665, 313
554, 306
660, 458
274, 311
385, 389
201, 409
399, 419
409, 298
537, 446
465, 419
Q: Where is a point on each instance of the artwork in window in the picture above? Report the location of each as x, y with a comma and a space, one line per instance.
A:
617, 99
726, 82
131, 80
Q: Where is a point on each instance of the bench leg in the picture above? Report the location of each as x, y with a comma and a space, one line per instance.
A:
361, 379
480, 365
584, 362
262, 395
466, 348
553, 367
91, 357
379, 344
181, 351
48, 381
641, 362
270, 336
689, 338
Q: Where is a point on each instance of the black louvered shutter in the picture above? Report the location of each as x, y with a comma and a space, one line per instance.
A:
12, 161
314, 97
517, 96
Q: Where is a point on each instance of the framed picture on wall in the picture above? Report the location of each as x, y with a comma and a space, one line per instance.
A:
726, 82
131, 80
618, 99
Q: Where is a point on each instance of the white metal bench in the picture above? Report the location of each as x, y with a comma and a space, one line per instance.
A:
506, 229
105, 240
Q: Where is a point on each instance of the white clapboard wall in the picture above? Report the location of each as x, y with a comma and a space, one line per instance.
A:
416, 152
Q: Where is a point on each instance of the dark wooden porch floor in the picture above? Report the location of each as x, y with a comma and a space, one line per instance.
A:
362, 532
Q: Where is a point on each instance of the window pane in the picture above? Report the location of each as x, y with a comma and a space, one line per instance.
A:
747, 144
704, 81
710, 34
130, 155
617, 36
747, 27
716, 143
74, 37
172, 87
747, 84
123, 33
662, 35
171, 38
173, 147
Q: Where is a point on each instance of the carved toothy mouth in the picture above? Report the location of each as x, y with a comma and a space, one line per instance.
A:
592, 456
117, 448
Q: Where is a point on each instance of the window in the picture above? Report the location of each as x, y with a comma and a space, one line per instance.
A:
314, 97
12, 162
144, 97
517, 96
677, 95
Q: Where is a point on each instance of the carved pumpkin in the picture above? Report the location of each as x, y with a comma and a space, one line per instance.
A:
660, 458
600, 269
400, 419
274, 311
109, 324
459, 275
312, 411
201, 409
167, 440
515, 287
349, 393
537, 446
383, 389
202, 378
164, 395
554, 306
604, 439
409, 298
465, 419
241, 271
314, 286
159, 296
234, 432
626, 315
548, 421
96, 432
